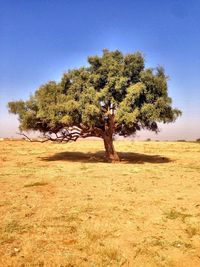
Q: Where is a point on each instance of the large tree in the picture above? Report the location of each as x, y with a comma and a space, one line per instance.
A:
114, 94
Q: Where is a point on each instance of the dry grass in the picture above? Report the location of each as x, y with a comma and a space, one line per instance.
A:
64, 206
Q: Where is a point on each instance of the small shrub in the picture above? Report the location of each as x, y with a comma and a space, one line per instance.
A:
173, 214
193, 230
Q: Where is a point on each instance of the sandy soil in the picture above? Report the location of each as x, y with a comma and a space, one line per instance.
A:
64, 206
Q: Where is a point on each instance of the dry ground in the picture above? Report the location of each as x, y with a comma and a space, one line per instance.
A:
64, 206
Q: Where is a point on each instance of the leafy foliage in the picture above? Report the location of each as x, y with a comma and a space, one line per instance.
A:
114, 94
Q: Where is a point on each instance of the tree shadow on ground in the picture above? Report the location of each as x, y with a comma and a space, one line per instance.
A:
126, 157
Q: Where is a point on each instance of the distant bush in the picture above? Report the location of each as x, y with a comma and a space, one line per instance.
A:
198, 140
148, 139
181, 140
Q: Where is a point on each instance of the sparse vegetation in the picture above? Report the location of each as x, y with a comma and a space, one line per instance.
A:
66, 206
173, 214
193, 229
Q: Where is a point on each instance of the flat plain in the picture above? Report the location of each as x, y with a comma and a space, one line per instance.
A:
63, 205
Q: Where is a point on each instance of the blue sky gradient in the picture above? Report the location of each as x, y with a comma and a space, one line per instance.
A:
40, 39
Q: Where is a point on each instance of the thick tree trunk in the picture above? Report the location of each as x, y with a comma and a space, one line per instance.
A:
111, 154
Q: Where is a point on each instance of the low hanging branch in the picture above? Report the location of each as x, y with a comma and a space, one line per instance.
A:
67, 134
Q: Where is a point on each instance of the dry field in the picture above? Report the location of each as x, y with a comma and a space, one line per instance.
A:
64, 206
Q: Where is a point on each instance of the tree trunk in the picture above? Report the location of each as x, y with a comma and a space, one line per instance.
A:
111, 154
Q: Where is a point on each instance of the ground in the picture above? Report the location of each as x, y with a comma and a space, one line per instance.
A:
62, 205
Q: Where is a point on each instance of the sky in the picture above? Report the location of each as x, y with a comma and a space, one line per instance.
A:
41, 39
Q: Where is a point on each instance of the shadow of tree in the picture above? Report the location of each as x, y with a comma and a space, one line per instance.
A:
126, 157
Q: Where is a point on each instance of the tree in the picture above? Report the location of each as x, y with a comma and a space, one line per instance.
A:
114, 94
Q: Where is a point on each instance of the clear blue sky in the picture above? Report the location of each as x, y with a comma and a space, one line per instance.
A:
40, 39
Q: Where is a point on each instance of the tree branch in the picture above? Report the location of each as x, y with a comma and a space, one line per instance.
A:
30, 140
67, 134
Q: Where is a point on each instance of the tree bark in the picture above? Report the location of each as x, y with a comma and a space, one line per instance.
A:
111, 154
